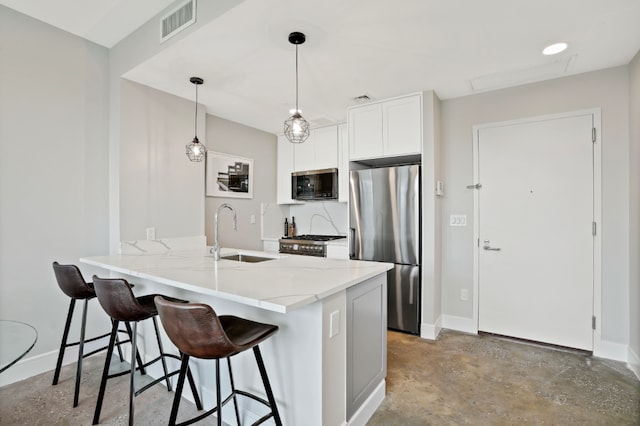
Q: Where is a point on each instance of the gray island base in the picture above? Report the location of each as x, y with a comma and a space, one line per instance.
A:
327, 363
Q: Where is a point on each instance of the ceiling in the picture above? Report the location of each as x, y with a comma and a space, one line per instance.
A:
355, 47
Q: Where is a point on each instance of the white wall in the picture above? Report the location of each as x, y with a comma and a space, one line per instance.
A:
136, 48
634, 212
236, 139
159, 186
607, 89
53, 169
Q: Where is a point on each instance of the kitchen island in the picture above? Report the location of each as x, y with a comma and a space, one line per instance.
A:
327, 363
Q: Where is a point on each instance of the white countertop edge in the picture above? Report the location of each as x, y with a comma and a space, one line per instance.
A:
269, 304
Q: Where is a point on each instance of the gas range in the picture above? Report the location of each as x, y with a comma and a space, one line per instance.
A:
308, 245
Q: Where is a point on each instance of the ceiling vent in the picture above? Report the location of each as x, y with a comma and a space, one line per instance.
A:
363, 99
178, 19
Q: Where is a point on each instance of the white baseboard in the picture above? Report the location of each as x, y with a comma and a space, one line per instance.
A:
431, 331
612, 350
29, 367
42, 363
462, 324
634, 362
370, 405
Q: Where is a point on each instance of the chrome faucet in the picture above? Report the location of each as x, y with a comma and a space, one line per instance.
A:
216, 244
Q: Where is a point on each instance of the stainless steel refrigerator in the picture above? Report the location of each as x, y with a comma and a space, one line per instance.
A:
384, 216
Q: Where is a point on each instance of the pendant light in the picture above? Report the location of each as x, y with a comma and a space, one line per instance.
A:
196, 150
296, 128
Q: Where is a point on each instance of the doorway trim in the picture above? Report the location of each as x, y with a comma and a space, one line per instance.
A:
597, 212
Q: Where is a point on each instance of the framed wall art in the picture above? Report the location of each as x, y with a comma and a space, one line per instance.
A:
229, 176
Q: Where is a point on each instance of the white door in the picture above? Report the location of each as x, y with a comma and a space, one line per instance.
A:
535, 230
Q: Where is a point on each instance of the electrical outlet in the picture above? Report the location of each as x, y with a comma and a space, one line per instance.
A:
464, 294
151, 233
334, 323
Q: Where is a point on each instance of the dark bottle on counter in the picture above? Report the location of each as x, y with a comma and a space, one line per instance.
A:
286, 227
293, 226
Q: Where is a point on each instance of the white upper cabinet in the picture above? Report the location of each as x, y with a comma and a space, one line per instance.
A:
343, 163
284, 167
387, 128
319, 151
402, 126
365, 131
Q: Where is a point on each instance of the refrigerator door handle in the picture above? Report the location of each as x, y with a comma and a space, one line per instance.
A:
352, 243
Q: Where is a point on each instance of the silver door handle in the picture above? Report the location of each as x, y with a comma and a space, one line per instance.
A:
486, 246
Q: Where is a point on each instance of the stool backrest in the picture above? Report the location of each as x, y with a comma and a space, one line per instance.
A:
117, 299
195, 329
71, 282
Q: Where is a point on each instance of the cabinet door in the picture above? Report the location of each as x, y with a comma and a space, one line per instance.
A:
365, 131
304, 157
284, 169
343, 163
325, 141
402, 126
366, 340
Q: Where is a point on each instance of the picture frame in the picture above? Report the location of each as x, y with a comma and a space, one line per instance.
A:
228, 176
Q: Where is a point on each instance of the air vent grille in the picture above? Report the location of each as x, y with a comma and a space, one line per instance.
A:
363, 98
178, 19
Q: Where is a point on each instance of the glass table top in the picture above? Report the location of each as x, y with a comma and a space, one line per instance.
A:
16, 340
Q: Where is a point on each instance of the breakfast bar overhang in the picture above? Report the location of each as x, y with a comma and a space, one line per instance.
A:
327, 362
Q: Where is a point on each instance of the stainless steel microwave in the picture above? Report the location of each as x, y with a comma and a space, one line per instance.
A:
315, 185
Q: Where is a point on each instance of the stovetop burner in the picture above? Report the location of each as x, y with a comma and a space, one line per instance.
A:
312, 237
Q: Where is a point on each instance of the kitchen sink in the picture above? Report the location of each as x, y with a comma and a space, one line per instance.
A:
239, 257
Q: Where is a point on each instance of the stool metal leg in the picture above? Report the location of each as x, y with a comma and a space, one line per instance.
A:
63, 345
233, 391
162, 357
176, 399
143, 370
132, 381
105, 373
218, 395
267, 385
83, 326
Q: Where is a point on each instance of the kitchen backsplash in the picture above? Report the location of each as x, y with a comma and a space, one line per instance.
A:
321, 217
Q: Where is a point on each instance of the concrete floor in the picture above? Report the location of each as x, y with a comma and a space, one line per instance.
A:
460, 379
486, 380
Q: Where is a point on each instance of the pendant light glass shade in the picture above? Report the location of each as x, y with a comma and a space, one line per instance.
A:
195, 150
296, 128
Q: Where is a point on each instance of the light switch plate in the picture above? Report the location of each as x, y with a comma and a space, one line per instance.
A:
458, 220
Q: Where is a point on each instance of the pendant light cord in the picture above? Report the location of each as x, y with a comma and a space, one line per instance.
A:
196, 119
297, 111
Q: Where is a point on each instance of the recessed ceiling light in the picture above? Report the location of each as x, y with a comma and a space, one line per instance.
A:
554, 48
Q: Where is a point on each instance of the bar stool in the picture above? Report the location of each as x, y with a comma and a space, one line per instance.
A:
117, 299
72, 284
199, 332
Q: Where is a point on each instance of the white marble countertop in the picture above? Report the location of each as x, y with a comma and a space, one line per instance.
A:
283, 284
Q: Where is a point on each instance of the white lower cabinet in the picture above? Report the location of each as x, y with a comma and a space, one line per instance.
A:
366, 340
